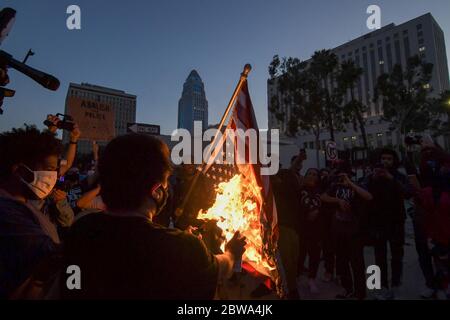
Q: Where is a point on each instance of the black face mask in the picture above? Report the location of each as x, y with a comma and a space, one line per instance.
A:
161, 204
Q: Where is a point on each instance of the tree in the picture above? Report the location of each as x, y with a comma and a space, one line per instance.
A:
440, 110
347, 79
301, 89
323, 65
405, 96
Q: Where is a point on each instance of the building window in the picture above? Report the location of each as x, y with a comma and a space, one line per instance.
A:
419, 27
422, 49
398, 53
379, 140
407, 49
389, 138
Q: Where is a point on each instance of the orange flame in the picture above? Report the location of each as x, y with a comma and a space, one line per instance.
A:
236, 209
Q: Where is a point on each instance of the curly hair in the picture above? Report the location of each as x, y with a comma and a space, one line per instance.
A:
26, 145
129, 167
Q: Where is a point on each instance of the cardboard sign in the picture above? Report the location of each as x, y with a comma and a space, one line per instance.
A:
95, 119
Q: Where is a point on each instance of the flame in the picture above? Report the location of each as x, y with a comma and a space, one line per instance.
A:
236, 208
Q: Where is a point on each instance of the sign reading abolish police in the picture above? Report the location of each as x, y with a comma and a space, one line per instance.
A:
95, 119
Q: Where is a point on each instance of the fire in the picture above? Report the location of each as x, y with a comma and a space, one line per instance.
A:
237, 209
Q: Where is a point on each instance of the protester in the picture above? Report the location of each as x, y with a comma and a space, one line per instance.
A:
28, 171
387, 216
286, 189
202, 196
72, 148
327, 243
310, 226
91, 200
348, 232
122, 253
432, 226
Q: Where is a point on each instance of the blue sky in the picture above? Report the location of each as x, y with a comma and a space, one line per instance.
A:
148, 48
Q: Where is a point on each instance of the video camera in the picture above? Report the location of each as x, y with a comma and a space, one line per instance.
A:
67, 123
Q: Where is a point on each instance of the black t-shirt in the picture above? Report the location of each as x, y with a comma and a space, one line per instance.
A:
388, 207
286, 189
132, 258
346, 221
309, 202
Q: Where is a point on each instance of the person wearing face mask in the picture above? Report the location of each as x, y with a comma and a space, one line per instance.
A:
28, 171
122, 253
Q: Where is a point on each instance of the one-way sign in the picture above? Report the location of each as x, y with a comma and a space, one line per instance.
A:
143, 128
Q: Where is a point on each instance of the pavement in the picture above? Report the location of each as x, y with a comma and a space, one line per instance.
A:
413, 281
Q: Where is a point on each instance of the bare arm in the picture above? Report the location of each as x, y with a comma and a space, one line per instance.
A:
71, 150
85, 201
360, 191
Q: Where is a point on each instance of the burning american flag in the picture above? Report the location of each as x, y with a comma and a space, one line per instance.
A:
244, 200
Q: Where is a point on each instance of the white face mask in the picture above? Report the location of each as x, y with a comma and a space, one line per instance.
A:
43, 182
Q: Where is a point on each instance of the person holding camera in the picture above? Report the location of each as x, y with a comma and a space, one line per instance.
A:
348, 232
56, 206
54, 123
387, 217
28, 171
310, 226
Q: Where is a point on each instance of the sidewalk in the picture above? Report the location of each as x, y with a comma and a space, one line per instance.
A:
413, 281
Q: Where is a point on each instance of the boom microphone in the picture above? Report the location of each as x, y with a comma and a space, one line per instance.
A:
46, 80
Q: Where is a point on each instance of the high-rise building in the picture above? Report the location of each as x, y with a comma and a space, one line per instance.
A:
376, 53
193, 105
123, 103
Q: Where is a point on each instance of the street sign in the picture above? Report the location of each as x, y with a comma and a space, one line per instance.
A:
331, 151
143, 128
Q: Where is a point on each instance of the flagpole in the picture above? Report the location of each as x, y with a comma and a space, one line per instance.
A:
242, 80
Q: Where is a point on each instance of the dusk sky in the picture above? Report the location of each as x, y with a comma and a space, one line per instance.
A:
148, 48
